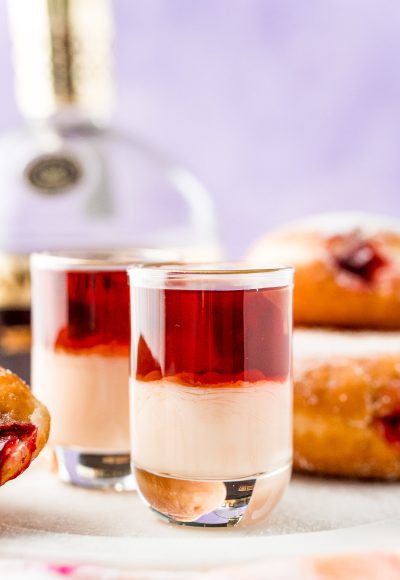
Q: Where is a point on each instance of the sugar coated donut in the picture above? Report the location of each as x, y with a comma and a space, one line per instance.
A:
347, 269
347, 402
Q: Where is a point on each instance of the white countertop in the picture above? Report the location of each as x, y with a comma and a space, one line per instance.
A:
43, 518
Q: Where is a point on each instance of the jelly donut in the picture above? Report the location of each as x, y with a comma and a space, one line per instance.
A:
347, 402
24, 426
347, 269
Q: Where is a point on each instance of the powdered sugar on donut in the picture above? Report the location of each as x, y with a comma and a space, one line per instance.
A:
341, 223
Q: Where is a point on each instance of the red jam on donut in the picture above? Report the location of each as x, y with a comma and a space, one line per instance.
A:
357, 256
17, 444
389, 426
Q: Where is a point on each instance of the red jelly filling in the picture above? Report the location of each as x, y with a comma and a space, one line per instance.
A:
359, 257
212, 337
97, 310
389, 426
11, 435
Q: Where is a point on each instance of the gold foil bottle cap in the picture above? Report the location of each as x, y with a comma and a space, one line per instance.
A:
62, 56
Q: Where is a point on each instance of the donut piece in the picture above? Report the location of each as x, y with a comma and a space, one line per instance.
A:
347, 269
24, 426
347, 403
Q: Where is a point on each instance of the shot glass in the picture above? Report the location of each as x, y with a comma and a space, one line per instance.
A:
80, 361
211, 390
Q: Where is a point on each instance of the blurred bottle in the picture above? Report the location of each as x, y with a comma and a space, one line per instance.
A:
68, 179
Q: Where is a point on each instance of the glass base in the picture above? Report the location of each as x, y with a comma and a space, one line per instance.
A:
95, 470
212, 503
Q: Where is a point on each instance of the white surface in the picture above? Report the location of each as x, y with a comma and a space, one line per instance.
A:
43, 518
327, 344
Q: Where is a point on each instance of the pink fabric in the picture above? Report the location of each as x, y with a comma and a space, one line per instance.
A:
348, 567
353, 567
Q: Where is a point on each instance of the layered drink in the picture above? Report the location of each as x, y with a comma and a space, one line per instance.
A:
211, 398
80, 359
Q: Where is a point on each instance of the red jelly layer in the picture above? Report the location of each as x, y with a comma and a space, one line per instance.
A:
389, 426
210, 337
11, 435
357, 256
97, 310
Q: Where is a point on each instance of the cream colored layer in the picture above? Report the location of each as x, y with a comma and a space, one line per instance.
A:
211, 432
87, 396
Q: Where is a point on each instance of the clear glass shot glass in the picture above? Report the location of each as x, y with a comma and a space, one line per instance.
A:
211, 390
80, 360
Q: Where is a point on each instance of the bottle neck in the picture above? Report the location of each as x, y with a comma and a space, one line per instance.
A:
62, 60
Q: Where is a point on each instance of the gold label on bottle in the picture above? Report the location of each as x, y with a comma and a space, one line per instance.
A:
53, 173
62, 56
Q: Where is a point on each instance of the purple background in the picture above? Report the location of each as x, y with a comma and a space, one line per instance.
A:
282, 107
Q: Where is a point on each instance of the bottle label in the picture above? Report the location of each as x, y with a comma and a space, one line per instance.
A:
50, 174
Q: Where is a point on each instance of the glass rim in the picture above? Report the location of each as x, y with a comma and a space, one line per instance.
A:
102, 259
159, 275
